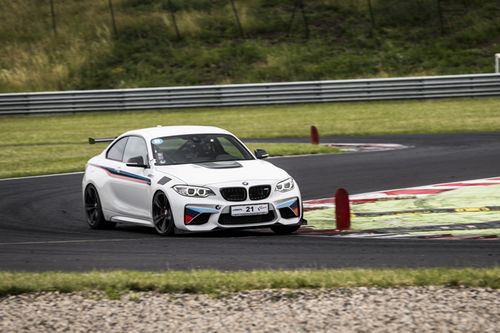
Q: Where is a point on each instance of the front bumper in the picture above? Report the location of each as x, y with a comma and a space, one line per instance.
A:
205, 214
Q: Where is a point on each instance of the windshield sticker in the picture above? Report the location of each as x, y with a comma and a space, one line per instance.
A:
161, 158
157, 141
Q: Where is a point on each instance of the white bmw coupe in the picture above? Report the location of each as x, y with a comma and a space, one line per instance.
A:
192, 178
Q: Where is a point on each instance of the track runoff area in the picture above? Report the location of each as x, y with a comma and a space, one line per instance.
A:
460, 210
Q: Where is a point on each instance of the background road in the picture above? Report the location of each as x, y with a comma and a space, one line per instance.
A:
42, 225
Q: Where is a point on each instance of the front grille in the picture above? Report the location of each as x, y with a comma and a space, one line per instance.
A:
227, 219
260, 192
234, 193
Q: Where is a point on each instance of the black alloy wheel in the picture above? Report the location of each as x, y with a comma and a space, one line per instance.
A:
93, 209
284, 229
163, 218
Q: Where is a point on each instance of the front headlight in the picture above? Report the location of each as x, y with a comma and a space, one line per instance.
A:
285, 185
193, 191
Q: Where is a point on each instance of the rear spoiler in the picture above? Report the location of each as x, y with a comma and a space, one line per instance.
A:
93, 141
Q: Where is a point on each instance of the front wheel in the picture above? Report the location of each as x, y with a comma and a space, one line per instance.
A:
93, 210
163, 218
284, 229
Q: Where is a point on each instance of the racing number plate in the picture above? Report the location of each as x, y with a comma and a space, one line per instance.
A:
245, 210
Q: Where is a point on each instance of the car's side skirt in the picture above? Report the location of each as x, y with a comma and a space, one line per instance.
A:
131, 220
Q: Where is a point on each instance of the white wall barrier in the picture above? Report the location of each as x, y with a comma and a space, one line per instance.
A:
449, 86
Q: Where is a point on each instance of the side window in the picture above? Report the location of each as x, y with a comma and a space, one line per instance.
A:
136, 147
116, 151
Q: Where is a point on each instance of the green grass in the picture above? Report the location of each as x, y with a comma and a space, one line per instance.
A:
31, 145
42, 159
85, 53
286, 149
218, 282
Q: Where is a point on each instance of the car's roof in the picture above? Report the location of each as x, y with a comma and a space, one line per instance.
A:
161, 131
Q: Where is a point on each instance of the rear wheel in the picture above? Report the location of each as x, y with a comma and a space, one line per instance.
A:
93, 209
284, 229
163, 218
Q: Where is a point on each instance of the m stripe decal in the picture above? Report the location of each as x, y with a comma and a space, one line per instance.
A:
124, 175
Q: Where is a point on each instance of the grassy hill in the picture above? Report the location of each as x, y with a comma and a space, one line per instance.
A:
77, 47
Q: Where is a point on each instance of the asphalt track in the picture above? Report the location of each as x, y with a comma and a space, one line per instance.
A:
42, 226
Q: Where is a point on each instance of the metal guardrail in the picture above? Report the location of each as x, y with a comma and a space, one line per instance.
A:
251, 94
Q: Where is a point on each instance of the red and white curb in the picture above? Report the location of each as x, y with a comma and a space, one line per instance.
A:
304, 231
403, 193
398, 194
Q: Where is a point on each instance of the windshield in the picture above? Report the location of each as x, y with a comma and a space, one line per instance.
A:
198, 148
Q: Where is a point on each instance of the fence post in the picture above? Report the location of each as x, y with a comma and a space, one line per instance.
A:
53, 14
292, 18
372, 17
299, 4
440, 15
171, 9
497, 63
237, 18
304, 17
113, 22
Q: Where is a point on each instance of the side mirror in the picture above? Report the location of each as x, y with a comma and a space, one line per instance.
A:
137, 162
261, 154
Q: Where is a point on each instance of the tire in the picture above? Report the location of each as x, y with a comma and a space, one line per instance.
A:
284, 229
93, 210
163, 218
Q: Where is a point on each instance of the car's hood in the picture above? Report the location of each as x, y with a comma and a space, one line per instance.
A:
224, 172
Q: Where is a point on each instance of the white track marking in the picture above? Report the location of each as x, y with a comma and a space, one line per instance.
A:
43, 176
366, 147
390, 194
76, 241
